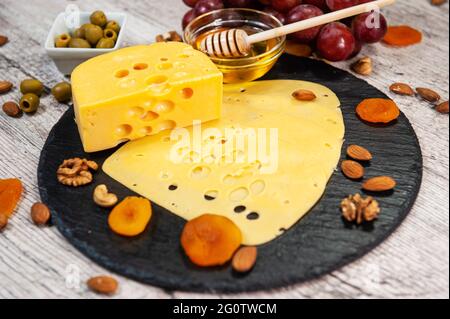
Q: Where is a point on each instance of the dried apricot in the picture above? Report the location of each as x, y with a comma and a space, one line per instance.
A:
131, 216
402, 35
210, 240
378, 110
10, 192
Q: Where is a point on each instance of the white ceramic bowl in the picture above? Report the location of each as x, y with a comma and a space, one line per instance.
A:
66, 59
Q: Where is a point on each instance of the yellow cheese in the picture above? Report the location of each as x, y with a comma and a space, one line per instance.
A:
264, 198
142, 90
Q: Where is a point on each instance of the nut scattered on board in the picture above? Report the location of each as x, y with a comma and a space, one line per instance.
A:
103, 198
3, 221
168, 37
3, 40
75, 172
11, 109
379, 184
40, 214
5, 87
357, 209
401, 89
359, 153
297, 49
428, 95
304, 95
442, 108
363, 66
244, 259
103, 285
352, 169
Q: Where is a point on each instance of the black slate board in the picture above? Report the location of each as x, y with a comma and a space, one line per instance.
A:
318, 244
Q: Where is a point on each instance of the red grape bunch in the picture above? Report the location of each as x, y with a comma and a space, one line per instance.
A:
335, 41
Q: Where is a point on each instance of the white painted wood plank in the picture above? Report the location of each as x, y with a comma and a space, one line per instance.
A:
413, 262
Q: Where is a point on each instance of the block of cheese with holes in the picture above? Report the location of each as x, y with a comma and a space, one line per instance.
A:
263, 197
142, 90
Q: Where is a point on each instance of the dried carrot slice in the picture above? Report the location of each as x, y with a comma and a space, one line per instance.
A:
10, 192
402, 35
210, 240
378, 110
131, 216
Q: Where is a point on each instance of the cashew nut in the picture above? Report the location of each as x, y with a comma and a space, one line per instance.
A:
103, 198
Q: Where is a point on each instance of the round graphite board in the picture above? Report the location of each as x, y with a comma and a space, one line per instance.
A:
318, 244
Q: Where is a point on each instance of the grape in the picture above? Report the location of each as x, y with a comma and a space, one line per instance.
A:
205, 6
284, 5
188, 17
336, 42
239, 3
190, 3
276, 14
369, 27
303, 12
335, 5
321, 4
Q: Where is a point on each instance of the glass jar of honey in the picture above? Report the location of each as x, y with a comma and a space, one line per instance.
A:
263, 55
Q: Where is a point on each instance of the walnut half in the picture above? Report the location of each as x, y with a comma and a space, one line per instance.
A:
75, 172
357, 209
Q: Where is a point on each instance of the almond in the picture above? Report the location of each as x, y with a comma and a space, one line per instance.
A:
442, 108
11, 109
359, 153
401, 89
363, 66
304, 95
428, 95
5, 87
3, 40
244, 259
352, 169
297, 49
103, 285
379, 184
40, 214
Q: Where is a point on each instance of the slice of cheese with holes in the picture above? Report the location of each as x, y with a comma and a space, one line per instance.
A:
262, 201
142, 90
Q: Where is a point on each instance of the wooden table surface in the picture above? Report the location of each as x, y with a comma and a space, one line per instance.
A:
412, 263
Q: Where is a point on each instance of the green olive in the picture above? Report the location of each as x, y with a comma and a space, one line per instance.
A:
113, 25
93, 34
98, 18
29, 103
62, 41
62, 92
31, 86
79, 43
105, 43
110, 34
79, 33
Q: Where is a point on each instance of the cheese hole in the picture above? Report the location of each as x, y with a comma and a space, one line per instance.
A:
229, 180
257, 187
164, 59
165, 139
331, 121
187, 93
147, 130
286, 202
157, 80
164, 175
165, 125
165, 66
173, 187
184, 56
239, 209
164, 107
181, 74
136, 111
124, 130
140, 66
149, 116
122, 73
180, 65
211, 195
327, 145
253, 216
200, 172
239, 194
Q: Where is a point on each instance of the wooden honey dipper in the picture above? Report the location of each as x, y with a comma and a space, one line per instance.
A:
237, 43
